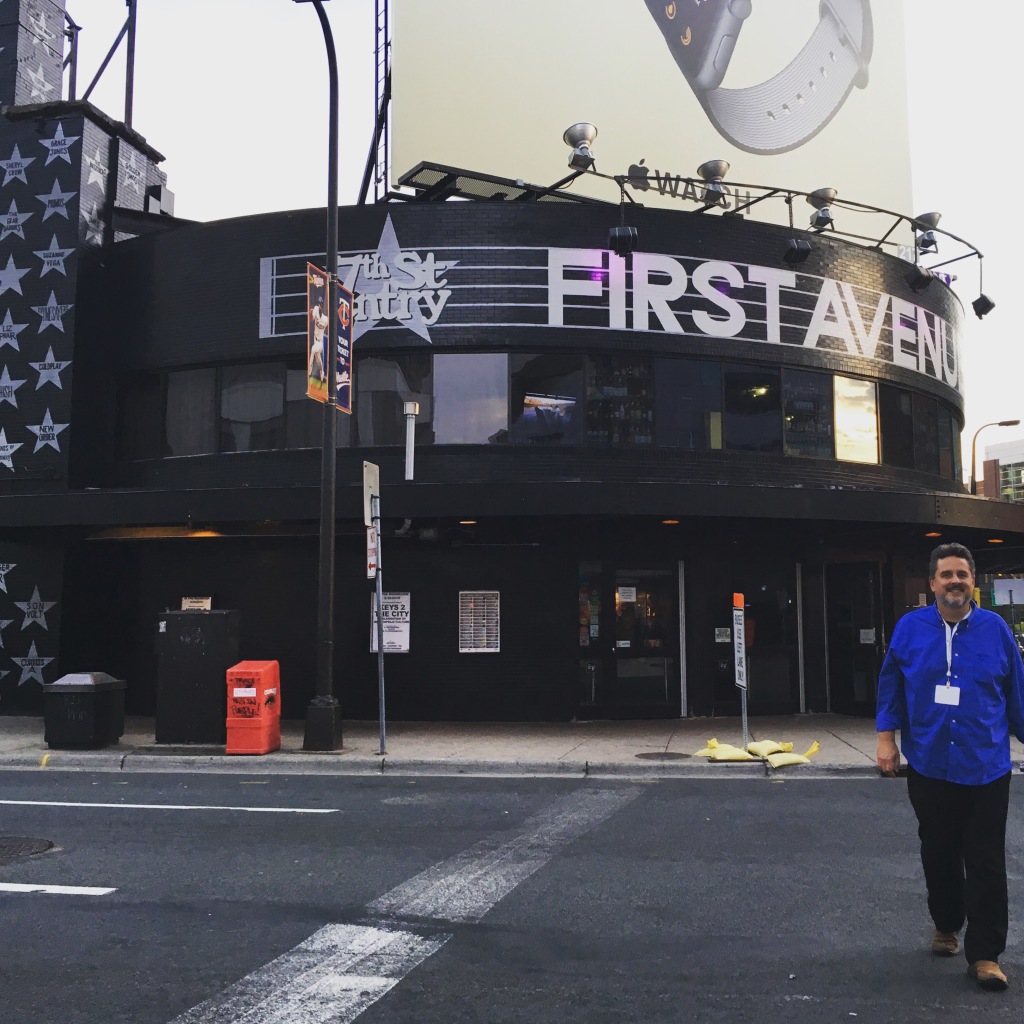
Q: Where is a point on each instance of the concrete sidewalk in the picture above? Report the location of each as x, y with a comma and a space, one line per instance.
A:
637, 748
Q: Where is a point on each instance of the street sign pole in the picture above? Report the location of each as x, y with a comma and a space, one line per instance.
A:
739, 647
375, 512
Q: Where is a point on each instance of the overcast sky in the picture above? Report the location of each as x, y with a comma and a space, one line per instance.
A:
234, 94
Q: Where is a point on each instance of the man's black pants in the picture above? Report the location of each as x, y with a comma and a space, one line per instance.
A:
963, 852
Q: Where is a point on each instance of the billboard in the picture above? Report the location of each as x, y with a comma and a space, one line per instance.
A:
790, 92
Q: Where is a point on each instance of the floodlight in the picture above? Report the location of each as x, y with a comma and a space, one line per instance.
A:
712, 172
580, 136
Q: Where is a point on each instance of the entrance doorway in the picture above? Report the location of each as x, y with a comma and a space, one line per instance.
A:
629, 638
853, 622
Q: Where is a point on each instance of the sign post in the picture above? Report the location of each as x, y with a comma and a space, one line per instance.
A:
739, 647
375, 505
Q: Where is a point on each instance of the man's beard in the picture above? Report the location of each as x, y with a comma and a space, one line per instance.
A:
954, 598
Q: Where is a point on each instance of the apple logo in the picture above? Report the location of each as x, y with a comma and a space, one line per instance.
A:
638, 175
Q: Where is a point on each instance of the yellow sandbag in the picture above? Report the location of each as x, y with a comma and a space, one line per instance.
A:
727, 752
781, 759
708, 750
765, 747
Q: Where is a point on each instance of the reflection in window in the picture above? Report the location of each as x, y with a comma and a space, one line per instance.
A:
897, 420
547, 392
856, 420
191, 412
140, 432
807, 414
926, 433
304, 417
252, 407
753, 408
383, 384
471, 398
689, 403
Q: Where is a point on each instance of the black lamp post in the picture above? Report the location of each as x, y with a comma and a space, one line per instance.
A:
974, 448
323, 716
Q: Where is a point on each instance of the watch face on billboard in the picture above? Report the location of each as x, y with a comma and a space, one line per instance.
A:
701, 35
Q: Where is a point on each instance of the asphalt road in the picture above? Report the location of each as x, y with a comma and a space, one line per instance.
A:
499, 900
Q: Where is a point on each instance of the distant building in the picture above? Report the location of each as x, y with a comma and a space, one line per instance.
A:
1004, 471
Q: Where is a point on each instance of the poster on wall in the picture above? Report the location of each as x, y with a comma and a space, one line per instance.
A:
792, 93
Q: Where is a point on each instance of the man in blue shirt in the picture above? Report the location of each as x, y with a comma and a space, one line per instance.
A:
953, 684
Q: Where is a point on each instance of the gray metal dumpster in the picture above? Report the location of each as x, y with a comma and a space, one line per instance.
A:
83, 709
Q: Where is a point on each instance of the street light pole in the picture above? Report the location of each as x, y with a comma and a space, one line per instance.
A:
974, 448
323, 716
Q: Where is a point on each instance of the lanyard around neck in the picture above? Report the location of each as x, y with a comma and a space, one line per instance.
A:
950, 630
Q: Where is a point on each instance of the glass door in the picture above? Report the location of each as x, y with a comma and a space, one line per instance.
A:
854, 632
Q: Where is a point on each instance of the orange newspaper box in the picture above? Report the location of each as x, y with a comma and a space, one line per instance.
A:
254, 707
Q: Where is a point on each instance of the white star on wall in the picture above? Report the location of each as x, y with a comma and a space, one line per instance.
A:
56, 201
40, 87
46, 432
31, 665
11, 222
40, 29
9, 332
8, 387
49, 370
131, 172
10, 277
5, 567
35, 609
52, 313
53, 258
98, 169
14, 169
93, 224
7, 449
59, 145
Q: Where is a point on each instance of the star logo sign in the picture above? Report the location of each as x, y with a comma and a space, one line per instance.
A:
46, 433
53, 258
98, 169
10, 277
56, 201
12, 221
93, 224
49, 370
4, 623
8, 387
40, 86
131, 172
9, 332
31, 665
14, 169
7, 449
396, 285
52, 314
59, 146
35, 609
5, 567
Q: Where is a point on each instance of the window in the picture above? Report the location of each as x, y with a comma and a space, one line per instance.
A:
753, 408
897, 419
807, 414
479, 622
620, 400
471, 399
856, 420
383, 384
689, 403
547, 399
926, 433
252, 407
191, 415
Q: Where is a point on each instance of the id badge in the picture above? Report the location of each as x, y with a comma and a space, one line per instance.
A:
947, 694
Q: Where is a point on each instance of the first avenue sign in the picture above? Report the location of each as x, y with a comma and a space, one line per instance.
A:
483, 288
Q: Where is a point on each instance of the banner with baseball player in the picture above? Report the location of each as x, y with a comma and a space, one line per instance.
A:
316, 340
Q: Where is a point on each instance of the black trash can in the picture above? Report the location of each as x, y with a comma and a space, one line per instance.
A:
83, 709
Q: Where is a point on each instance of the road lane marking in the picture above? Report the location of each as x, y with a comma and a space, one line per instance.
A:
332, 977
464, 887
172, 807
341, 970
56, 890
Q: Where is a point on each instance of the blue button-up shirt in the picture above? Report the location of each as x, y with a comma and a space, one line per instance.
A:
968, 743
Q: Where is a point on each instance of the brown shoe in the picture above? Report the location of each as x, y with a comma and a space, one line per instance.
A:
945, 943
988, 975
